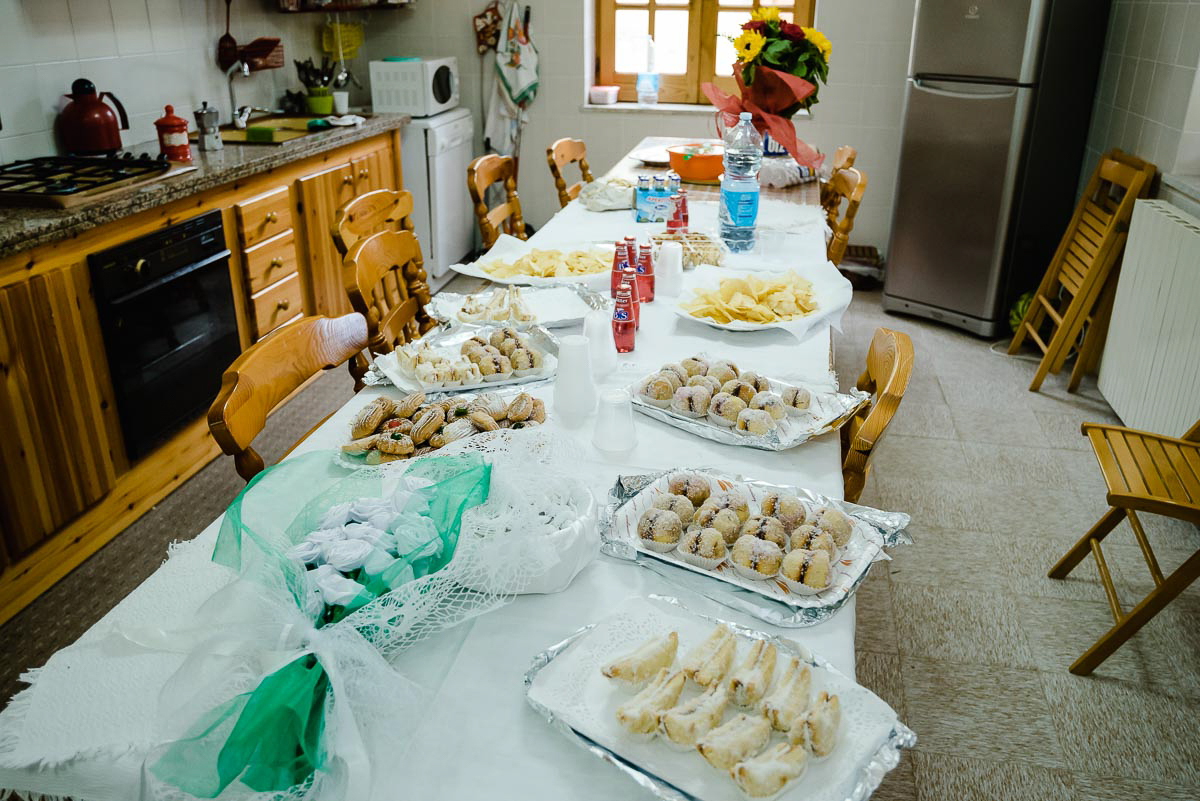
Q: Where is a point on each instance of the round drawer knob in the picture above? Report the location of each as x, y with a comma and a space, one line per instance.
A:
283, 304
272, 217
349, 179
364, 174
275, 263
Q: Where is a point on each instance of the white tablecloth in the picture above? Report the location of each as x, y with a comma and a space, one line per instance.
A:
497, 744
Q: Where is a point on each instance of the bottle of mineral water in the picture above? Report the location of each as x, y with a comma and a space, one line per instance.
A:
739, 186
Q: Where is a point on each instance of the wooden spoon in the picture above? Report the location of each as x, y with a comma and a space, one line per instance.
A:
227, 49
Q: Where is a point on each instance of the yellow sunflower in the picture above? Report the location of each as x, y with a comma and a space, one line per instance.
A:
821, 41
749, 44
765, 14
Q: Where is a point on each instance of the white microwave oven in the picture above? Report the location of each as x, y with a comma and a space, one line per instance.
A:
420, 87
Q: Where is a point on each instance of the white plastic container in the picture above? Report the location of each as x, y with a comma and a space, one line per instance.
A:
603, 95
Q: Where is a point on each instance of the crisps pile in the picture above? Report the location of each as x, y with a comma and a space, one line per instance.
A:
753, 299
549, 264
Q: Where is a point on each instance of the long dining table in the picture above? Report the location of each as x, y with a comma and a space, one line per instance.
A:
479, 735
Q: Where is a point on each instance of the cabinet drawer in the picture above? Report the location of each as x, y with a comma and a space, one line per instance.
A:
270, 261
263, 217
277, 304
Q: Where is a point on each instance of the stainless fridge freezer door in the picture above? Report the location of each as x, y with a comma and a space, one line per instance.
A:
996, 39
958, 162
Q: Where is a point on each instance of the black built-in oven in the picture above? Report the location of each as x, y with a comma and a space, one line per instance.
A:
166, 311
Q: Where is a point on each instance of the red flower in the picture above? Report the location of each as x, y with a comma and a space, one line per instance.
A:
757, 26
791, 31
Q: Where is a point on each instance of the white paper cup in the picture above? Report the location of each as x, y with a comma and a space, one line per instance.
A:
597, 327
341, 103
574, 385
615, 432
668, 270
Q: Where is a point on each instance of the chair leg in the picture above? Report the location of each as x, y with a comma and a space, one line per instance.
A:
1093, 341
1084, 547
1150, 606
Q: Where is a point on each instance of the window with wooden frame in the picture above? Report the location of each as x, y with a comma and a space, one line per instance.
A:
691, 44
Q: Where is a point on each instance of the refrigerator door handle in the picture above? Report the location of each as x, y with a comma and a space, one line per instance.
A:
977, 91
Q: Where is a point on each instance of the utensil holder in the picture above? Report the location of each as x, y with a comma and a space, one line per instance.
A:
319, 101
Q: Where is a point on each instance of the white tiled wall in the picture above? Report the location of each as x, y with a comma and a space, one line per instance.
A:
1148, 100
146, 52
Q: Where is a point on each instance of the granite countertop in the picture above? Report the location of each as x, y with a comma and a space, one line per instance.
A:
23, 228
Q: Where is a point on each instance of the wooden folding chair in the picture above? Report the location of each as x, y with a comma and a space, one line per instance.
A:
483, 173
562, 153
843, 157
846, 185
889, 365
269, 371
1082, 267
1144, 473
376, 272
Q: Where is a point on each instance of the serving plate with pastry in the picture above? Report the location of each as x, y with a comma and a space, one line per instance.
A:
697, 707
717, 400
520, 307
471, 359
784, 545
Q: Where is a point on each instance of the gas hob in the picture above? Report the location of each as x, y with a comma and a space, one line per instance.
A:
66, 181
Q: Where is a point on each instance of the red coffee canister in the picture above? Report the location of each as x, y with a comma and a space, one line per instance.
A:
173, 136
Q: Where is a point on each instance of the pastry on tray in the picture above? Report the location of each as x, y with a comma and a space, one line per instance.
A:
765, 528
686, 723
752, 678
756, 559
754, 422
707, 663
836, 522
693, 487
817, 729
770, 403
810, 538
660, 529
645, 661
785, 508
678, 504
640, 714
657, 391
730, 499
724, 521
703, 547
741, 737
691, 401
796, 399
806, 571
769, 772
789, 699
723, 409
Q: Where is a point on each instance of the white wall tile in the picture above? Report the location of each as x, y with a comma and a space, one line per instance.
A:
53, 83
28, 146
35, 31
92, 23
20, 106
166, 26
131, 19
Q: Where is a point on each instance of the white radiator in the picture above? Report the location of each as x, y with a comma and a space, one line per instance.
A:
1150, 372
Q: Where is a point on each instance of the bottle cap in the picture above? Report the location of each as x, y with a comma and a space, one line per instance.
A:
745, 115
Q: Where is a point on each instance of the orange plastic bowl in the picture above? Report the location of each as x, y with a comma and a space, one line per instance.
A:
697, 168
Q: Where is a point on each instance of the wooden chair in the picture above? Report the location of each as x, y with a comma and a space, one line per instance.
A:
1074, 290
483, 173
889, 365
376, 272
562, 153
269, 371
370, 213
1144, 473
847, 184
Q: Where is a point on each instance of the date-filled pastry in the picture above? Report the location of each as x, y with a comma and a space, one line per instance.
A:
724, 409
809, 568
755, 422
789, 699
660, 529
678, 504
694, 365
703, 547
836, 523
691, 401
640, 713
679, 371
369, 417
785, 508
722, 371
730, 499
770, 403
769, 772
524, 359
687, 723
495, 366
796, 399
730, 743
740, 389
691, 486
723, 520
713, 385
810, 538
765, 528
751, 680
818, 727
708, 662
645, 661
758, 559
509, 346
725, 364
760, 383
657, 391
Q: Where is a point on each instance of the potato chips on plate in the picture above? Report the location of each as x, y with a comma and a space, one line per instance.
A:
754, 298
550, 264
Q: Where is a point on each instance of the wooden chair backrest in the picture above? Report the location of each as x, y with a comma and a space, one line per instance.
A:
844, 157
481, 174
889, 366
370, 213
847, 185
376, 272
562, 153
272, 369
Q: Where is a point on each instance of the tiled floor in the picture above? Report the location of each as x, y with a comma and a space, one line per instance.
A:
962, 632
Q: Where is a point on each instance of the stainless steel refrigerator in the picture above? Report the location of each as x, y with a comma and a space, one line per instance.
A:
996, 115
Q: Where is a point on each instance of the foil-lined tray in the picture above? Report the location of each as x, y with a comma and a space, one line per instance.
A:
865, 778
875, 529
829, 411
542, 300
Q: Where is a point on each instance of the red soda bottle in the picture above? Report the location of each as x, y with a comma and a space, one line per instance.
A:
675, 221
623, 326
620, 262
635, 296
645, 274
683, 210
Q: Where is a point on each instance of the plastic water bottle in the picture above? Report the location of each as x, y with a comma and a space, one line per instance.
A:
739, 186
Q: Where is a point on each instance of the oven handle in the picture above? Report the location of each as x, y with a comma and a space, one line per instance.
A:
180, 273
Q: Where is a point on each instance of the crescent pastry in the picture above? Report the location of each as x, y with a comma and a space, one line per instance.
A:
730, 743
650, 657
750, 682
640, 714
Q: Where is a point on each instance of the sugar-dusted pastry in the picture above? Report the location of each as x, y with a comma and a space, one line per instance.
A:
785, 508
836, 522
369, 417
757, 558
645, 661
703, 547
770, 403
751, 679
789, 699
454, 431
501, 334
394, 424
687, 723
539, 411
677, 504
808, 569
671, 377
691, 486
694, 365
726, 365
760, 383
818, 727
408, 405
660, 529
723, 520
796, 399
708, 662
730, 499
739, 389
495, 367
713, 385
525, 359
509, 346
679, 370
724, 409
491, 403
427, 423
721, 372
734, 741
755, 422
483, 421
657, 391
691, 401
360, 445
769, 772
640, 713
765, 528
521, 407
396, 444
810, 538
